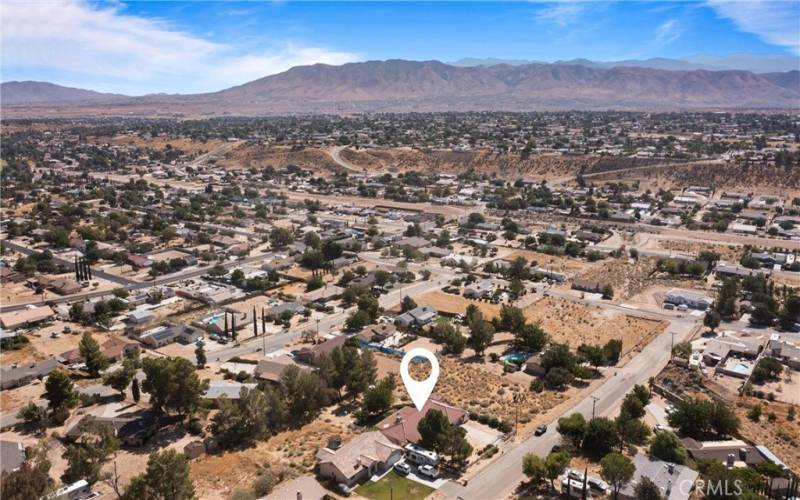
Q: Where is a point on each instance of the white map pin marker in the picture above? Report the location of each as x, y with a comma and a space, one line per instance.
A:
419, 391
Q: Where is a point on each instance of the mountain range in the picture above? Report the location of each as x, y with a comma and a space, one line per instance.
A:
399, 85
757, 63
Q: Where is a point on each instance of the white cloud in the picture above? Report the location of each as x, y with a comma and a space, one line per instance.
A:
561, 14
134, 54
775, 22
667, 32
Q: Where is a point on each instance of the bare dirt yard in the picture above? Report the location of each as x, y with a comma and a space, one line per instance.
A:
455, 304
729, 253
550, 262
287, 454
625, 277
781, 436
574, 323
469, 385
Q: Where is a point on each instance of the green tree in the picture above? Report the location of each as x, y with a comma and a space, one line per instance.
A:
702, 419
600, 437
573, 428
666, 446
314, 283
711, 320
135, 391
647, 490
407, 304
280, 237
531, 338
200, 357
119, 379
34, 416
93, 357
85, 459
481, 334
32, 479
512, 319
555, 465
242, 421
617, 470
438, 434
59, 391
166, 478
380, 397
534, 467
173, 385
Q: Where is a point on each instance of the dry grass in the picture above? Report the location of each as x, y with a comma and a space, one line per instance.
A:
473, 387
551, 262
218, 476
730, 253
574, 323
625, 277
780, 436
455, 304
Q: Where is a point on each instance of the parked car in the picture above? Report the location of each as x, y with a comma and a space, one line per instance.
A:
344, 489
402, 468
429, 471
540, 430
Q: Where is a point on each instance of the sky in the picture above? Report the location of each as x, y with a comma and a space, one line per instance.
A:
189, 47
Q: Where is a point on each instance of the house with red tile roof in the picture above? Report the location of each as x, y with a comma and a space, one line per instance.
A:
401, 426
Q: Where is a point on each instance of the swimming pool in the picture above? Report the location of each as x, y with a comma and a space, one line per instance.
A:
515, 357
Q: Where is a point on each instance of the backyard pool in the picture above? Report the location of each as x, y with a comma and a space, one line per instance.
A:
515, 357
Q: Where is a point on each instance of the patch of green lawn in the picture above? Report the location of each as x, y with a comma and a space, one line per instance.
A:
394, 486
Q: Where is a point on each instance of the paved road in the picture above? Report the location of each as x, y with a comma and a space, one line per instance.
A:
504, 475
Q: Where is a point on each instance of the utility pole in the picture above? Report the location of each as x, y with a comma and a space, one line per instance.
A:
594, 402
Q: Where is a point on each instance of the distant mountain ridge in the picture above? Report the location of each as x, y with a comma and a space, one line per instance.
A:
757, 63
43, 92
399, 85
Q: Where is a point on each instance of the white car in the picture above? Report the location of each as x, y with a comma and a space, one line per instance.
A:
429, 471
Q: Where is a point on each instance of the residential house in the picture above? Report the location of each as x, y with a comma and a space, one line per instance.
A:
272, 369
401, 426
130, 430
676, 482
21, 374
419, 316
229, 389
368, 454
12, 456
691, 299
26, 317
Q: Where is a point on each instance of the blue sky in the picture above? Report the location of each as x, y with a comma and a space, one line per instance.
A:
144, 47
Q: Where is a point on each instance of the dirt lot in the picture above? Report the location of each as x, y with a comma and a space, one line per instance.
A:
626, 277
218, 476
551, 262
729, 253
780, 436
259, 156
455, 304
472, 386
574, 324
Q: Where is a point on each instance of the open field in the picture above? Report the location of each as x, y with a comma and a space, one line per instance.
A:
471, 386
455, 304
781, 436
625, 277
290, 452
551, 262
575, 323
